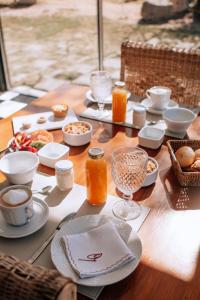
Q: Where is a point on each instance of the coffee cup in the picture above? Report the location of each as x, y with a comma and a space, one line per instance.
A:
159, 96
16, 204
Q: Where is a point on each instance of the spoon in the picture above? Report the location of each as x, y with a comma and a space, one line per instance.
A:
44, 190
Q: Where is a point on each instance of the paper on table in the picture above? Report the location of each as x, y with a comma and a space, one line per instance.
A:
9, 107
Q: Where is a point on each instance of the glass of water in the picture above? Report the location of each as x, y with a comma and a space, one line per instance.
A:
101, 86
129, 168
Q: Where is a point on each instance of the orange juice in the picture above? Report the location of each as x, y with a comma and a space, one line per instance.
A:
119, 101
96, 177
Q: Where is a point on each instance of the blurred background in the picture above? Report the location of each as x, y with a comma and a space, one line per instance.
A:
49, 42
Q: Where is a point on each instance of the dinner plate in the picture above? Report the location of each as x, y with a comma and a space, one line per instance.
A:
38, 220
108, 100
148, 104
86, 223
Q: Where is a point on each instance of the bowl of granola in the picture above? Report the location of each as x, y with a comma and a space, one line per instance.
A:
152, 172
77, 133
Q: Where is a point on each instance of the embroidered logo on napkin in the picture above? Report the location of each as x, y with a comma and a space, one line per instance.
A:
92, 257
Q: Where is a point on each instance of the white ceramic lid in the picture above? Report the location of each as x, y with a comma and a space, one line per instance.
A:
64, 165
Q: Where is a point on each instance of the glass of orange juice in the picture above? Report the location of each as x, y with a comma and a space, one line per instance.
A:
119, 102
96, 177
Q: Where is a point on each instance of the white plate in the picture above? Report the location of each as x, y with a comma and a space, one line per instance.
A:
147, 103
83, 224
40, 217
108, 100
50, 124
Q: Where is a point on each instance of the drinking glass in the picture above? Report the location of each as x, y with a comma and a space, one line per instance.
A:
129, 168
101, 86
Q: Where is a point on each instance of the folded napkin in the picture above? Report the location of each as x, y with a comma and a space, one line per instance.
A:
98, 251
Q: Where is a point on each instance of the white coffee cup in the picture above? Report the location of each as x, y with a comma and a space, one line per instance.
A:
18, 214
159, 96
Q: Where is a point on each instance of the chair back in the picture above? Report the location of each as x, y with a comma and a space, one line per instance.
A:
144, 66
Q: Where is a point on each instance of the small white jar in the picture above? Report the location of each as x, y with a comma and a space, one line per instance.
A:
139, 116
64, 174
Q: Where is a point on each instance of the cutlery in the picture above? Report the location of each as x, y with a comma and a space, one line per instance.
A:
39, 251
44, 190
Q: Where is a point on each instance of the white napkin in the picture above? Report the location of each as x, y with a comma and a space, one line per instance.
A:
98, 251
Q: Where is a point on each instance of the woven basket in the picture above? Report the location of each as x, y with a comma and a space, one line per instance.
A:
184, 178
144, 66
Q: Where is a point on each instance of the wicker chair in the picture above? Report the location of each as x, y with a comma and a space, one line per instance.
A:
21, 281
144, 66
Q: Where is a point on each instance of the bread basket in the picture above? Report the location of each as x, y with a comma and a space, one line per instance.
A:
184, 178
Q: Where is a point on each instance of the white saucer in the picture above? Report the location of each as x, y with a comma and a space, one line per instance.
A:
40, 217
147, 103
86, 223
108, 100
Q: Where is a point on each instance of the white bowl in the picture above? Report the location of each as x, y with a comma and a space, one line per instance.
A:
77, 139
178, 119
19, 167
151, 137
51, 153
151, 177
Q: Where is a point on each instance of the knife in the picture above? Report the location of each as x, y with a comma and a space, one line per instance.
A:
39, 251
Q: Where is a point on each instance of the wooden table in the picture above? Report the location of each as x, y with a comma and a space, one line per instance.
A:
170, 264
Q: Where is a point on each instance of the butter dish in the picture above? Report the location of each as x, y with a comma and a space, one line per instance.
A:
151, 137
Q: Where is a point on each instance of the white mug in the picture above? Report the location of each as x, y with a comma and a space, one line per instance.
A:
159, 96
19, 214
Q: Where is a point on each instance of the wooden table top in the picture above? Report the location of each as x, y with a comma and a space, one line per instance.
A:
170, 264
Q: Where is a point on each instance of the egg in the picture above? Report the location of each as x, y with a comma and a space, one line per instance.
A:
185, 156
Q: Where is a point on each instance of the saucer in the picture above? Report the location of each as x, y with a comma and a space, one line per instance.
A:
38, 220
147, 103
108, 100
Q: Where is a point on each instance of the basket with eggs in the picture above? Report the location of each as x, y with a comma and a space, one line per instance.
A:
185, 157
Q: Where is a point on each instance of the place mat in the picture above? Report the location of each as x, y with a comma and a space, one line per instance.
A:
9, 107
61, 204
50, 124
92, 112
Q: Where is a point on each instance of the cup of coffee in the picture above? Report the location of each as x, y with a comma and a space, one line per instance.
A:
159, 96
16, 204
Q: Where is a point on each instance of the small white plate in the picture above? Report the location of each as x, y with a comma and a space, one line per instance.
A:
147, 103
108, 100
39, 219
83, 224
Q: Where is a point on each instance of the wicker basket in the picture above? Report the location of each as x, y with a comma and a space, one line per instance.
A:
184, 178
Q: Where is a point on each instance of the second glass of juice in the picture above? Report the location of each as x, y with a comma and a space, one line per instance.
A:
96, 176
119, 102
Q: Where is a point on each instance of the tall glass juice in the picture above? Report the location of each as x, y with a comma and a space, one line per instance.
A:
96, 177
119, 102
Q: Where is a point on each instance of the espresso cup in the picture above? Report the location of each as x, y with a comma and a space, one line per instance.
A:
159, 96
18, 214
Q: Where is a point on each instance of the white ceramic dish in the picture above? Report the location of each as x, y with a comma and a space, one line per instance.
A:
51, 153
38, 220
178, 119
151, 177
108, 100
19, 167
83, 224
78, 139
148, 104
151, 137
